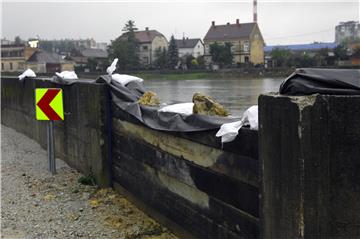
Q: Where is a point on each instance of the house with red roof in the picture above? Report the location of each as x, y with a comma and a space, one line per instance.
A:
245, 38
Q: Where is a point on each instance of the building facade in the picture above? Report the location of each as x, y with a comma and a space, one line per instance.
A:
193, 47
17, 58
90, 59
245, 38
14, 57
347, 31
48, 62
149, 41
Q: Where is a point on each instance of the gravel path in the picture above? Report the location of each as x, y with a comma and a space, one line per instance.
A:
35, 204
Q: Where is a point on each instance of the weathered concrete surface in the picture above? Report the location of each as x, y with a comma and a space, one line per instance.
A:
210, 192
81, 139
309, 149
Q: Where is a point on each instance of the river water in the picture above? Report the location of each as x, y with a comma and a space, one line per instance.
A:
235, 94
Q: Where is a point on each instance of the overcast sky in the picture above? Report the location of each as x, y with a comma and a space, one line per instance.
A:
281, 22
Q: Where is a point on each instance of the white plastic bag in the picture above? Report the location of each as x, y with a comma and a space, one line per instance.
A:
112, 67
182, 108
125, 79
229, 131
27, 73
67, 75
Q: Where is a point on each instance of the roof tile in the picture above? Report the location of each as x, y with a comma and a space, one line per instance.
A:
229, 31
187, 43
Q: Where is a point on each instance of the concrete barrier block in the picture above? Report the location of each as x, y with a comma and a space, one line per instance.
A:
309, 147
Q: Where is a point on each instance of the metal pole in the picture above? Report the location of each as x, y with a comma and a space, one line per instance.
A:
51, 147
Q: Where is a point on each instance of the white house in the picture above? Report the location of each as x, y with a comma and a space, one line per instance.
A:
194, 47
149, 41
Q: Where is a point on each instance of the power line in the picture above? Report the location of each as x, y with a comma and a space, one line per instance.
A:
303, 34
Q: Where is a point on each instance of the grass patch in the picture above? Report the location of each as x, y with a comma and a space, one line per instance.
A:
87, 180
177, 76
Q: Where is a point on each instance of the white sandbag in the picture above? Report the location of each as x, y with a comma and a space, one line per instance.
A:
125, 79
251, 117
112, 67
27, 73
229, 131
182, 108
67, 75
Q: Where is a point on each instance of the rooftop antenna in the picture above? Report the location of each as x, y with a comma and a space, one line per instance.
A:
255, 10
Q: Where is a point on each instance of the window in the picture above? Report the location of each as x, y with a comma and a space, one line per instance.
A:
145, 48
2, 66
21, 66
4, 54
11, 66
246, 59
246, 46
145, 60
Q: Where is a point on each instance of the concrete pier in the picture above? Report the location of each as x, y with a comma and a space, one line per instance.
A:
309, 148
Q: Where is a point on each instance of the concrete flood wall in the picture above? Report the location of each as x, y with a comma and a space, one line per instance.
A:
184, 179
81, 139
209, 191
297, 178
310, 166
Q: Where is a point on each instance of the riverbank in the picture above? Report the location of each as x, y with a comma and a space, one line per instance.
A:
250, 73
36, 204
241, 73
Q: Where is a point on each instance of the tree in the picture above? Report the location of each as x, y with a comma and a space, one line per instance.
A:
173, 54
356, 52
188, 61
126, 48
215, 52
160, 58
92, 64
17, 40
201, 61
226, 56
130, 27
322, 57
341, 52
221, 54
194, 63
282, 57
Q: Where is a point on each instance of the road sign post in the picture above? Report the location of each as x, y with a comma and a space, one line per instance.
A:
49, 106
50, 147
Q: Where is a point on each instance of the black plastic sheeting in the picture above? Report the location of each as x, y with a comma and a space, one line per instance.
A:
126, 97
307, 81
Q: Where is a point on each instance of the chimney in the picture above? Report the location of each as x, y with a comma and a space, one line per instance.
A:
237, 21
146, 29
213, 23
255, 11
